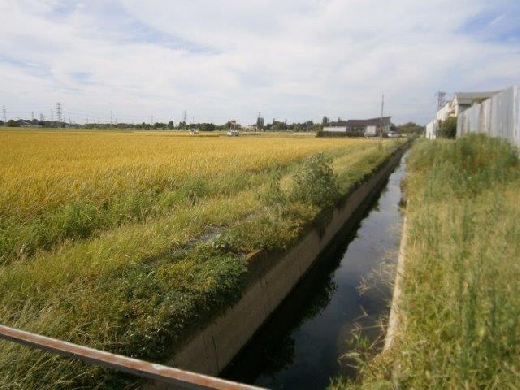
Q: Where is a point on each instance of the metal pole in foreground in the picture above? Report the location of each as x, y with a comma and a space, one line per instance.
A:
179, 379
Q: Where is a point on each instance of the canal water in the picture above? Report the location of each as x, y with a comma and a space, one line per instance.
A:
302, 344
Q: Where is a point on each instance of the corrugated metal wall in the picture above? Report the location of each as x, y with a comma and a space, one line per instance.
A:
431, 130
498, 116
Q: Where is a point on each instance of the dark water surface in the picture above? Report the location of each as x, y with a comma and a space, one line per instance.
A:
301, 344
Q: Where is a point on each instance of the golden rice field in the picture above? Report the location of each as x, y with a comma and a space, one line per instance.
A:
126, 241
40, 171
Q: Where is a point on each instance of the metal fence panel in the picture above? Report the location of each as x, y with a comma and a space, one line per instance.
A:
498, 116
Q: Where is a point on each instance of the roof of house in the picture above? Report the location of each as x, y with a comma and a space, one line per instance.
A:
470, 97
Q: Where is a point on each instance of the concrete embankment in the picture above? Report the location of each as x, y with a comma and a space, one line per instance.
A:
272, 277
396, 319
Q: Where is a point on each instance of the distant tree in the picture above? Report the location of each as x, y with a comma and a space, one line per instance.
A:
325, 121
447, 128
207, 127
296, 127
2, 123
170, 125
279, 126
410, 128
159, 125
12, 123
260, 123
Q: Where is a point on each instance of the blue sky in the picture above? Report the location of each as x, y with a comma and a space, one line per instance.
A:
291, 59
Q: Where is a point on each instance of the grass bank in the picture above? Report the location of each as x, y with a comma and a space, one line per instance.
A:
168, 223
460, 298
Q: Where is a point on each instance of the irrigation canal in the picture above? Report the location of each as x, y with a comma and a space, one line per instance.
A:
301, 345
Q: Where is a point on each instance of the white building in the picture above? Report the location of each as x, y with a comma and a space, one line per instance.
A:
460, 102
336, 129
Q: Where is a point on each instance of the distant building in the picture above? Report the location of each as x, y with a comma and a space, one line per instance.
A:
33, 123
366, 127
461, 102
464, 100
335, 129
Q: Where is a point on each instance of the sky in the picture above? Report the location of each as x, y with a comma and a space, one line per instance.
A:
292, 60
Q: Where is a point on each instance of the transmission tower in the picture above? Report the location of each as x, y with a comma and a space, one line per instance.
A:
58, 112
441, 99
5, 115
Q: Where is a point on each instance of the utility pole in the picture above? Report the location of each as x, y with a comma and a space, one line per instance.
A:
42, 118
110, 118
32, 115
184, 115
382, 108
5, 115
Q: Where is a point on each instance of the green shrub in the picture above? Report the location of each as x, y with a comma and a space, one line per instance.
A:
315, 182
447, 128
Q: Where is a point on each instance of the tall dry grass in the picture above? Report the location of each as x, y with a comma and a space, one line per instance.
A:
461, 283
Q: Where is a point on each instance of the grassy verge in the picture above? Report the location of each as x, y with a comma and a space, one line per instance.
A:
139, 286
461, 283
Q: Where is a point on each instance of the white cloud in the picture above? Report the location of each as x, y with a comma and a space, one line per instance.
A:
295, 59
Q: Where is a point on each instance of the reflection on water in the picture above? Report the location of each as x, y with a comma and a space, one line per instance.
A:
300, 346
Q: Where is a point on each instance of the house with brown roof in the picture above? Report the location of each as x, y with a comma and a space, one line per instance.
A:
362, 127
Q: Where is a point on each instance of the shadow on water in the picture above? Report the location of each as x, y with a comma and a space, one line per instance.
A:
300, 345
